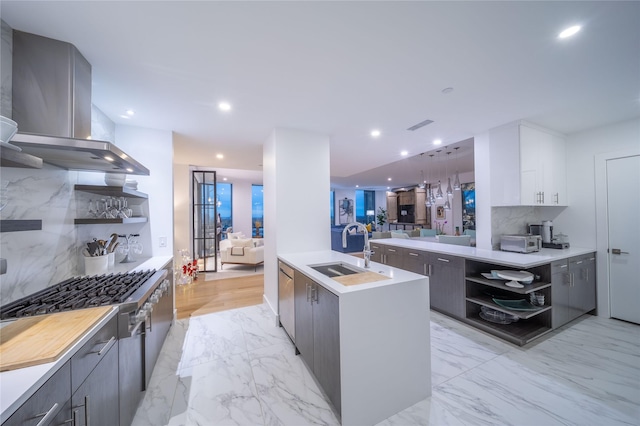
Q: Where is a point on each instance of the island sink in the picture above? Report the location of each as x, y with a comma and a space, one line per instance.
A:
336, 269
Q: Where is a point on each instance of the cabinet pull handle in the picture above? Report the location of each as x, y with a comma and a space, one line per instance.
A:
579, 262
413, 254
557, 198
391, 250
106, 345
443, 260
424, 269
308, 292
87, 421
429, 269
46, 417
542, 197
592, 258
314, 294
563, 266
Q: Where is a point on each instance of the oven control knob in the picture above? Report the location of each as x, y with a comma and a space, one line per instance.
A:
141, 316
147, 307
164, 286
154, 298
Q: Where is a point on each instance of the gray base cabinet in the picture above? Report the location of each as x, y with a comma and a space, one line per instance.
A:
96, 400
446, 284
573, 288
49, 405
317, 325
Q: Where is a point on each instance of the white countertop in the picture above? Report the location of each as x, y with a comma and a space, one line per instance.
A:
517, 260
301, 262
16, 386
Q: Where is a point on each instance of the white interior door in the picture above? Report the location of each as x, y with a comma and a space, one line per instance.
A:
623, 205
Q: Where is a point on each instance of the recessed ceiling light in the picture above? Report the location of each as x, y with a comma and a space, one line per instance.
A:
447, 90
219, 156
106, 157
375, 133
224, 106
130, 112
125, 116
224, 179
437, 142
357, 186
389, 179
404, 153
569, 31
129, 169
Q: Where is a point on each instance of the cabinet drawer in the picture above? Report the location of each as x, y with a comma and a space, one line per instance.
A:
559, 266
52, 400
452, 261
85, 360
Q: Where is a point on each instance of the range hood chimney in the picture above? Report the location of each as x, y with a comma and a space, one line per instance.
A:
52, 106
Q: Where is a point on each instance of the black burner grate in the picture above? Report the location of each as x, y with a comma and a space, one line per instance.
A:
78, 293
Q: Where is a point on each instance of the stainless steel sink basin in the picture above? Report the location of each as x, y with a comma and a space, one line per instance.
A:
337, 269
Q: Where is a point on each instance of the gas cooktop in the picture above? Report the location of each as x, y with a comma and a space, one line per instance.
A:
78, 293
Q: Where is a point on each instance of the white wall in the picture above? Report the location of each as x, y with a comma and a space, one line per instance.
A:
154, 149
293, 208
481, 159
578, 220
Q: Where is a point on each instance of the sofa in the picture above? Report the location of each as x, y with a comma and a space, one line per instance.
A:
242, 251
355, 241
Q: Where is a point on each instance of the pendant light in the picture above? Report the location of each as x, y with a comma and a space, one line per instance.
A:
449, 189
456, 182
439, 195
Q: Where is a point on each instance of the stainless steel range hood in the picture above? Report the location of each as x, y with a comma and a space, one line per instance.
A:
79, 154
52, 106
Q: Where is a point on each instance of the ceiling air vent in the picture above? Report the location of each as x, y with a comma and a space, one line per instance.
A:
421, 124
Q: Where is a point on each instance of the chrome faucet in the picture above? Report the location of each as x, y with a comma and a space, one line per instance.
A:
367, 249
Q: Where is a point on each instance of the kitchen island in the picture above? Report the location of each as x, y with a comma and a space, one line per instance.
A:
367, 344
461, 285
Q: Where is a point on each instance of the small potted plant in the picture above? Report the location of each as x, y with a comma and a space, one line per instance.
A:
381, 217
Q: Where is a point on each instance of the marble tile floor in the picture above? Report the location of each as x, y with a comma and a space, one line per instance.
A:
237, 368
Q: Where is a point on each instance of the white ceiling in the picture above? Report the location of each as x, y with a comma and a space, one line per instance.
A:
344, 68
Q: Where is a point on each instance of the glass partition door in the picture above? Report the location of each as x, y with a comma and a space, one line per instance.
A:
206, 229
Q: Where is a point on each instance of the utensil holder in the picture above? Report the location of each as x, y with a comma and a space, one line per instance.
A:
96, 265
111, 260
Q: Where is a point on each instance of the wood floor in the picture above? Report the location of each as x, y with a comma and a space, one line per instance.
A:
204, 297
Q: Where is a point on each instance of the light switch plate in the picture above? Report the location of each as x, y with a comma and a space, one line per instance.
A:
163, 241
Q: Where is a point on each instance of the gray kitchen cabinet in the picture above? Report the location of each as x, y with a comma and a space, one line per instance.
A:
48, 405
96, 400
317, 325
446, 284
387, 255
415, 261
573, 288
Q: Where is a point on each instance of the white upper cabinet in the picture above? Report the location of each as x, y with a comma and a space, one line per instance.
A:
528, 166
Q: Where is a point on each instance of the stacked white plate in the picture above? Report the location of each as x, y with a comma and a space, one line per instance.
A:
131, 184
8, 129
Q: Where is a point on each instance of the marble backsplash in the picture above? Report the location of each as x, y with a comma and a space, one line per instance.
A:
516, 220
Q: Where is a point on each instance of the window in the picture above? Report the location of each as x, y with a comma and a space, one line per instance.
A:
224, 192
332, 197
365, 203
257, 210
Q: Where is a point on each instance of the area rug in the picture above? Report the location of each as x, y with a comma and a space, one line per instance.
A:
233, 271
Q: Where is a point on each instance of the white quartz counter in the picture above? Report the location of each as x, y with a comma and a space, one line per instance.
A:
16, 386
516, 260
301, 262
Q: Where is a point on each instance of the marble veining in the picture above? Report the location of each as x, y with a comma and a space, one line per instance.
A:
237, 367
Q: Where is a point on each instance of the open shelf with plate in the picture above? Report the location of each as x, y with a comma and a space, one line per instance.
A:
133, 198
482, 293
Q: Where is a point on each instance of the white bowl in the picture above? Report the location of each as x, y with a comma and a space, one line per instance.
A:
115, 179
8, 129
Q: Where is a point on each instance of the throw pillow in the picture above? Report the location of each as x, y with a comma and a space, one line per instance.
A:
248, 242
369, 227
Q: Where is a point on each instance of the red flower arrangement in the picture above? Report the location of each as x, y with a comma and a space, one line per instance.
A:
191, 269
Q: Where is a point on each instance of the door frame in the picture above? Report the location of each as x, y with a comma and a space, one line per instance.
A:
192, 212
602, 229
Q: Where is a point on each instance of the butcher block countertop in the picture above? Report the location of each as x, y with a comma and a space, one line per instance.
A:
44, 338
361, 278
33, 340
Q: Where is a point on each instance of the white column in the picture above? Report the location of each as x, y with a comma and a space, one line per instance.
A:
483, 190
296, 199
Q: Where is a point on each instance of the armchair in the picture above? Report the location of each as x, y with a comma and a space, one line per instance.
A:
242, 251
